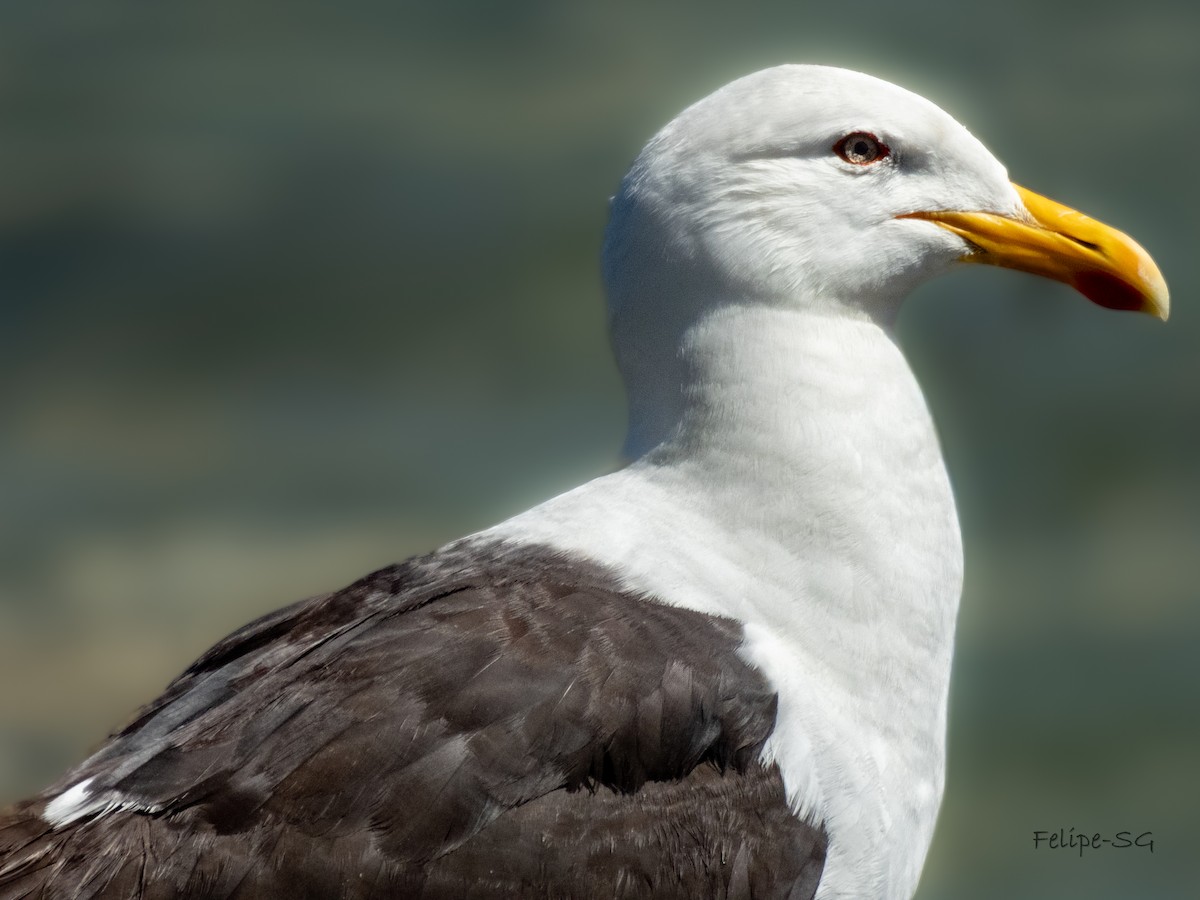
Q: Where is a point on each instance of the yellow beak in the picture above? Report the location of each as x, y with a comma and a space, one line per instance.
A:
1106, 266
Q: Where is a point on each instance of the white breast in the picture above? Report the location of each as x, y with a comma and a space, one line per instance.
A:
826, 525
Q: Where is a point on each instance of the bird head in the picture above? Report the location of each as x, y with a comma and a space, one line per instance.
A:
809, 185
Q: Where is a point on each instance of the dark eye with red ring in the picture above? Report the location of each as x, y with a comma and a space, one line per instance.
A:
861, 148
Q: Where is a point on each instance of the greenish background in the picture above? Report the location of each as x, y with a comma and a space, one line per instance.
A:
292, 290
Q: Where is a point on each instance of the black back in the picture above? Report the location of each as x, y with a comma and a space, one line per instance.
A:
483, 722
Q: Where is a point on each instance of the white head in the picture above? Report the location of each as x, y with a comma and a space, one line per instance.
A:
748, 185
821, 189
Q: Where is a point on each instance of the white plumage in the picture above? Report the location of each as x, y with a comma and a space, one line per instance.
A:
785, 470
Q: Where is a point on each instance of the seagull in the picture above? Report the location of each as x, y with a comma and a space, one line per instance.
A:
719, 671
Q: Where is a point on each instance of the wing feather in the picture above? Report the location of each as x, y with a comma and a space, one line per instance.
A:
483, 722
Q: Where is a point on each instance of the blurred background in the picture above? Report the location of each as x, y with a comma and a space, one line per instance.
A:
292, 291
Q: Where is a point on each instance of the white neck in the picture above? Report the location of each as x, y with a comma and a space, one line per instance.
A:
793, 481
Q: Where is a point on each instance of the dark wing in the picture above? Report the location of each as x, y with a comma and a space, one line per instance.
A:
484, 723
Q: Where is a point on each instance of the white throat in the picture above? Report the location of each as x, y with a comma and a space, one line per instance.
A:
795, 483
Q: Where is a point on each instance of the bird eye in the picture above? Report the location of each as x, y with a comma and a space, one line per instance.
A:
861, 148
